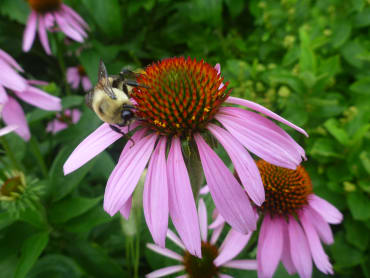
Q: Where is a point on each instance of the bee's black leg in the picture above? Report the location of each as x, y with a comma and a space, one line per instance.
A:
116, 129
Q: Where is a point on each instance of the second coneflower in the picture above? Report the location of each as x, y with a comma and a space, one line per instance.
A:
181, 106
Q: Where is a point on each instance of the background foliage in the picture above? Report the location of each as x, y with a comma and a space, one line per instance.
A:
306, 60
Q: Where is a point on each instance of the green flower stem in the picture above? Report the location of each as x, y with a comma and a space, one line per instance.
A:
35, 149
10, 154
60, 51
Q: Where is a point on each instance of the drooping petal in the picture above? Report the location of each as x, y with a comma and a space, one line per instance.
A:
3, 95
183, 211
262, 121
175, 239
13, 115
56, 126
203, 221
257, 142
242, 264
135, 138
37, 82
91, 146
259, 108
286, 257
204, 190
76, 16
299, 249
43, 35
330, 213
165, 252
270, 246
216, 233
165, 271
322, 227
126, 174
39, 98
243, 163
7, 129
233, 244
217, 222
86, 84
126, 208
30, 31
76, 115
318, 254
72, 74
155, 195
10, 78
74, 24
231, 201
66, 28
9, 59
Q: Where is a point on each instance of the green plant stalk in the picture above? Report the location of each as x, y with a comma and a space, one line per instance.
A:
60, 50
40, 159
137, 246
10, 154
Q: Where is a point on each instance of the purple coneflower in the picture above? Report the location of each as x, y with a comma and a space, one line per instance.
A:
294, 223
77, 75
214, 257
12, 113
179, 111
63, 120
43, 16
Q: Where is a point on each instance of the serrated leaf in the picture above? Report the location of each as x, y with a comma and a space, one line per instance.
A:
31, 250
69, 208
359, 205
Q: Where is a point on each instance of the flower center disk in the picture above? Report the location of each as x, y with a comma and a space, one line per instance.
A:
11, 185
286, 190
181, 98
43, 6
204, 267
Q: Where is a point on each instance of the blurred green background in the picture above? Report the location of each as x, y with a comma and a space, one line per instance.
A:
308, 61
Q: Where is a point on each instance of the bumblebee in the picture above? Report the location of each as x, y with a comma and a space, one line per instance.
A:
110, 98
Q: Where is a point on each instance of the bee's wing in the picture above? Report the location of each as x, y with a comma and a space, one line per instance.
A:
130, 78
103, 79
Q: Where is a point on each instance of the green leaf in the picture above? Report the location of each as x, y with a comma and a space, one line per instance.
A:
362, 19
5, 220
361, 86
340, 134
341, 33
72, 101
235, 6
206, 10
357, 234
16, 9
359, 205
69, 208
107, 15
344, 254
31, 250
365, 160
90, 61
352, 51
324, 147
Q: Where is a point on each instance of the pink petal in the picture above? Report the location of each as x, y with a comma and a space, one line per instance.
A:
76, 115
9, 59
72, 74
135, 138
43, 35
7, 129
233, 244
243, 162
286, 257
231, 201
13, 115
3, 95
56, 126
175, 239
262, 121
322, 227
10, 78
242, 264
330, 213
91, 146
86, 84
217, 222
265, 147
126, 208
66, 28
165, 271
76, 16
318, 254
270, 246
165, 252
216, 233
126, 174
37, 82
203, 221
204, 190
299, 250
182, 205
39, 98
259, 108
218, 68
224, 276
74, 24
155, 195
30, 31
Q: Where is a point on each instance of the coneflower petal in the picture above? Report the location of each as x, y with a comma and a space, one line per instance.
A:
165, 271
165, 252
10, 78
30, 31
203, 221
330, 213
125, 210
13, 115
43, 35
286, 257
39, 98
182, 205
242, 264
